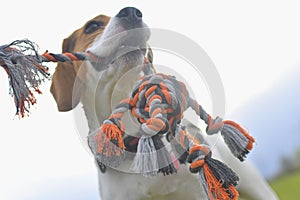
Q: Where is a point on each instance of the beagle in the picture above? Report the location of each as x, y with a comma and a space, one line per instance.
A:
119, 45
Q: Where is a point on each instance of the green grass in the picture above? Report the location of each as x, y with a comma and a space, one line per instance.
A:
287, 187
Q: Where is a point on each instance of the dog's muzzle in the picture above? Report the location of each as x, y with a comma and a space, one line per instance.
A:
125, 33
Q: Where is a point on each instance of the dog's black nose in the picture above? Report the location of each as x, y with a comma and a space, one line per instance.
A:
130, 14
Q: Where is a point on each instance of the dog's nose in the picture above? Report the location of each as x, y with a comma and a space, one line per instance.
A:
130, 14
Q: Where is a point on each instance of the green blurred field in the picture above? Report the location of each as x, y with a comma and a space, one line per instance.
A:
287, 187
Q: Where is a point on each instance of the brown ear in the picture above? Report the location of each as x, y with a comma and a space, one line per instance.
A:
63, 88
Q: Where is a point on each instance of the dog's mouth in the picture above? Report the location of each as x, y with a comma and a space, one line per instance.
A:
101, 63
126, 33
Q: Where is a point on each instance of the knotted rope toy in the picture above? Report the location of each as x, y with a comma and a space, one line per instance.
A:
23, 64
157, 102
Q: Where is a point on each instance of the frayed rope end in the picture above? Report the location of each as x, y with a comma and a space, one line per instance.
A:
217, 179
237, 139
152, 157
107, 145
25, 72
145, 161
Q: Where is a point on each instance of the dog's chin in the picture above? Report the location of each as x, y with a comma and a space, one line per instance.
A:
126, 51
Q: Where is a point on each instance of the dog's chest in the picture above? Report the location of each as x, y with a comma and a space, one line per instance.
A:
104, 90
182, 185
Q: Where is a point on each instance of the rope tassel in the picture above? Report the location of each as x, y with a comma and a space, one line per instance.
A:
238, 140
145, 161
107, 144
217, 179
152, 157
25, 73
23, 64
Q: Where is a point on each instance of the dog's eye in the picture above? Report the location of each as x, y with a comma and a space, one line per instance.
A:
92, 26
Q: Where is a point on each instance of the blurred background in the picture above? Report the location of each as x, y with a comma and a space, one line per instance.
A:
255, 46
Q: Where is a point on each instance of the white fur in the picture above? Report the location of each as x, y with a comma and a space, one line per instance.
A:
114, 36
119, 184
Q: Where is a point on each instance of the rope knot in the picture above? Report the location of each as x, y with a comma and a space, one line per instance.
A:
217, 179
197, 156
214, 125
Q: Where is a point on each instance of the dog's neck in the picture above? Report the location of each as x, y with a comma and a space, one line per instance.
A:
110, 86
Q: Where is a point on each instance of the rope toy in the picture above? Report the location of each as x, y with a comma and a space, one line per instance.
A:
23, 64
157, 102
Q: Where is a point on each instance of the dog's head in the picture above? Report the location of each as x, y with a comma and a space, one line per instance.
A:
103, 37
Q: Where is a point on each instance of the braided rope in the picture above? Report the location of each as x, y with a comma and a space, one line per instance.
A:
64, 57
158, 102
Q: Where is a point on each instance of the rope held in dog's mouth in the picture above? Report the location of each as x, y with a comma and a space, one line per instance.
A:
157, 102
23, 64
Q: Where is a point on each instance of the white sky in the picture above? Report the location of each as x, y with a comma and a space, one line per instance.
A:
252, 43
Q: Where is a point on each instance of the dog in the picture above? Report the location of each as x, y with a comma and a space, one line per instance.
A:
118, 50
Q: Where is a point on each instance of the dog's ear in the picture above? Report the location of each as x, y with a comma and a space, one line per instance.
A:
69, 43
150, 57
63, 88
